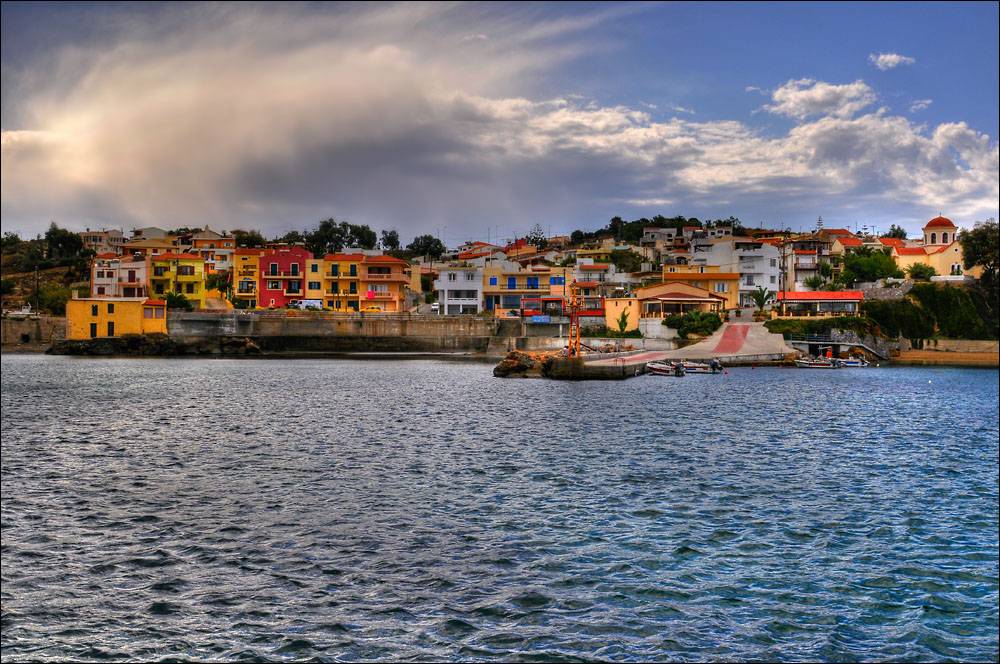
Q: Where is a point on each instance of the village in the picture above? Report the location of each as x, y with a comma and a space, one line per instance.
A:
676, 283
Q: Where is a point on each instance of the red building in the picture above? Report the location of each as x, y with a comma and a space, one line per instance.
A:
282, 273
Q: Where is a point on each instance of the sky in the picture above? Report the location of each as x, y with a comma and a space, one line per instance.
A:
477, 121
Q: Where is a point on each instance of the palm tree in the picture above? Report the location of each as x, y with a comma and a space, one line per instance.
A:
761, 297
623, 321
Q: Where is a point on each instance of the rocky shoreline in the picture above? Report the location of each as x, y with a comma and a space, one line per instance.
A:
155, 345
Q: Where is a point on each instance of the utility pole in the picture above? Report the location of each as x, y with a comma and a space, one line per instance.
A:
36, 290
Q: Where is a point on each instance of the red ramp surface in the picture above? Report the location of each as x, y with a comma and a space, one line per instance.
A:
732, 339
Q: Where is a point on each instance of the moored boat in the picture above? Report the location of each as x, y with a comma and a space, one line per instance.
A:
816, 363
712, 367
666, 368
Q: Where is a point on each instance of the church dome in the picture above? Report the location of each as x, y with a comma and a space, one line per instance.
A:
940, 222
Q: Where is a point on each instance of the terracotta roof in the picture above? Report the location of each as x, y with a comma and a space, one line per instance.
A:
820, 296
109, 254
850, 241
910, 251
940, 222
839, 231
385, 259
344, 257
156, 303
178, 257
473, 254
594, 266
892, 241
247, 251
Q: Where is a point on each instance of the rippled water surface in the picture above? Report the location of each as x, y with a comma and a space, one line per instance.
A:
346, 510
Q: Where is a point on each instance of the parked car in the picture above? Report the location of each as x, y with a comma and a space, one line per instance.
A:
435, 307
370, 309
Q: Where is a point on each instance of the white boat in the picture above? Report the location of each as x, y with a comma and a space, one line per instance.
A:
854, 362
816, 363
665, 368
712, 367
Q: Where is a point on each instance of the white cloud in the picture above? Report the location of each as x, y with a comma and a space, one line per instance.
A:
806, 97
367, 118
677, 108
886, 61
920, 104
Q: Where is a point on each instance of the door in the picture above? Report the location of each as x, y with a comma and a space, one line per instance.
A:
111, 328
93, 330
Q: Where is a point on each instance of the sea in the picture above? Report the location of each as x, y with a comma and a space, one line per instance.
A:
423, 510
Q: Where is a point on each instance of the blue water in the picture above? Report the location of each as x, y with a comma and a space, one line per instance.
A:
423, 510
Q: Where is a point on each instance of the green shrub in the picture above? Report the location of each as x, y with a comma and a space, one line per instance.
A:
952, 310
694, 322
921, 271
608, 333
900, 318
178, 301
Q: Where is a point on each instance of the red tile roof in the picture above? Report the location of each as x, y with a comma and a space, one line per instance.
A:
805, 252
892, 241
177, 257
594, 266
910, 251
820, 296
343, 257
586, 284
107, 254
384, 259
839, 231
465, 255
850, 241
156, 303
940, 222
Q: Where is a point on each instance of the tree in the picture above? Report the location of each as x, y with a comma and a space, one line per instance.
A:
921, 271
178, 301
814, 282
7, 286
217, 280
761, 296
390, 240
576, 237
980, 247
249, 238
626, 260
869, 266
895, 231
11, 243
623, 321
291, 237
62, 244
426, 245
332, 236
536, 237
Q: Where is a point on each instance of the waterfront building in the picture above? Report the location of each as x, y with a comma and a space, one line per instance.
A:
756, 261
602, 277
215, 248
505, 283
118, 276
245, 276
819, 303
315, 288
341, 281
91, 318
707, 277
281, 275
460, 289
940, 249
647, 308
103, 241
383, 283
178, 273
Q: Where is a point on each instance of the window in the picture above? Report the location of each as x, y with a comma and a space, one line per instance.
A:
185, 270
274, 269
295, 269
470, 276
147, 312
510, 302
100, 290
314, 268
111, 328
721, 287
944, 238
314, 285
274, 285
933, 238
452, 276
93, 330
773, 279
93, 310
131, 276
557, 281
511, 284
334, 270
748, 280
774, 262
189, 288
159, 289
111, 307
354, 270
159, 311
493, 281
532, 282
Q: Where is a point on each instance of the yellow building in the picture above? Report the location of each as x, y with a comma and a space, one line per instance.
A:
661, 300
707, 277
341, 278
245, 275
940, 249
504, 286
90, 318
178, 273
315, 289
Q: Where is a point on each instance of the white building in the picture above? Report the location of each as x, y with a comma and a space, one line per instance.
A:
460, 289
103, 241
758, 263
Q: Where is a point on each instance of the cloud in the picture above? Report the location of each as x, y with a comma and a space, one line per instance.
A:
677, 108
886, 61
920, 104
805, 97
276, 118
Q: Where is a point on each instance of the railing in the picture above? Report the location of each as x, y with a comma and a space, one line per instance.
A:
280, 275
384, 277
381, 295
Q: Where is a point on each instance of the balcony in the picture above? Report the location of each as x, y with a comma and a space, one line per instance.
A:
380, 295
296, 293
386, 277
283, 275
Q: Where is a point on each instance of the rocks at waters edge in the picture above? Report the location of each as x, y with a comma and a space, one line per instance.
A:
519, 364
157, 345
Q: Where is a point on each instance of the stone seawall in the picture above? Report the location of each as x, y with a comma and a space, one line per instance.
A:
324, 332
31, 334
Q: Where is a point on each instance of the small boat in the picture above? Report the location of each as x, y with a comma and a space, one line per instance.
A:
712, 367
854, 362
817, 363
665, 368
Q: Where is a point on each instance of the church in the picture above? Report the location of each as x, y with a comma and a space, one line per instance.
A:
939, 248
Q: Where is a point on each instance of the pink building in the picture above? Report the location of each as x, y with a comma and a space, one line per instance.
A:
282, 273
118, 276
